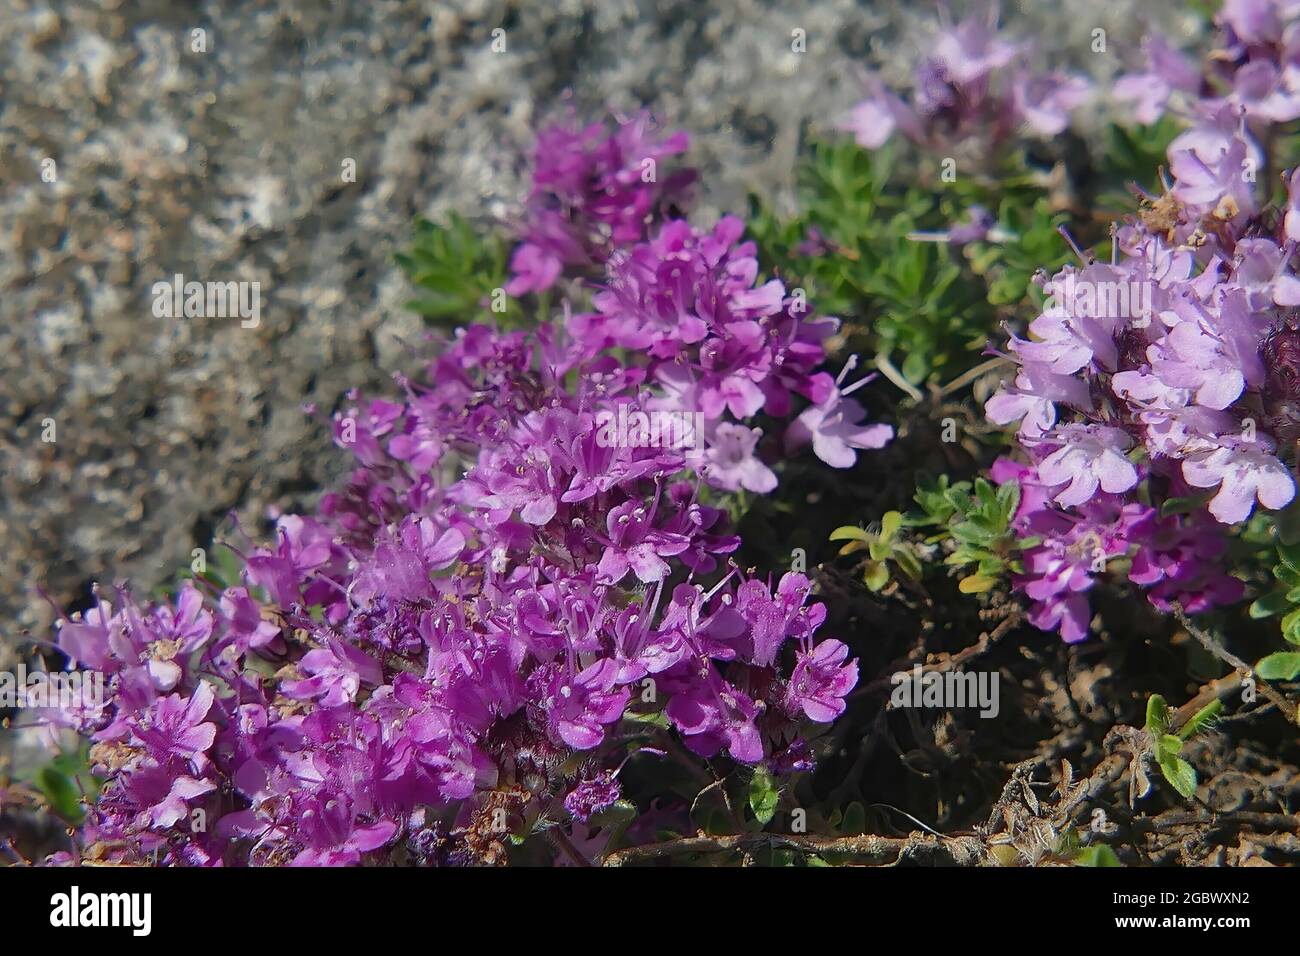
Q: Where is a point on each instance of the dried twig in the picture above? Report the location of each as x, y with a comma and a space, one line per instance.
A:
1232, 660
867, 850
950, 661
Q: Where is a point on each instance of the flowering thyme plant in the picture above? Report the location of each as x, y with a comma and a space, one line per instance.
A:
1168, 372
565, 607
506, 600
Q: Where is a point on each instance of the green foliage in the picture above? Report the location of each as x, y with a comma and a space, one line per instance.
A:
970, 519
927, 306
763, 796
1008, 267
1285, 600
614, 820
1098, 855
1167, 747
976, 516
457, 266
883, 547
63, 780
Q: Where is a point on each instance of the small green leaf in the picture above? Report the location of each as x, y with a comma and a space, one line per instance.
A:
763, 796
909, 564
1269, 605
615, 818
60, 792
876, 575
1157, 715
1284, 665
1099, 855
1180, 774
1201, 719
1291, 627
855, 819
976, 583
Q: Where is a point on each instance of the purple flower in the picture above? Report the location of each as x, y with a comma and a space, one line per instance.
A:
578, 707
835, 429
1212, 164
1047, 101
1089, 457
713, 714
333, 836
592, 795
593, 193
174, 727
1150, 90
874, 120
731, 463
636, 545
335, 674
821, 680
456, 619
1242, 471
1252, 21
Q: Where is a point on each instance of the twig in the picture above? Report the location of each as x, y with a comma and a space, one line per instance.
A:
952, 661
868, 849
1232, 660
561, 840
1218, 689
1236, 819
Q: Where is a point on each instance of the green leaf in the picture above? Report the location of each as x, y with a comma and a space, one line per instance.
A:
1289, 555
1291, 627
1269, 605
850, 532
1157, 716
60, 792
976, 583
1169, 745
1180, 774
889, 525
908, 563
876, 575
855, 819
615, 819
1099, 855
1283, 665
456, 265
763, 796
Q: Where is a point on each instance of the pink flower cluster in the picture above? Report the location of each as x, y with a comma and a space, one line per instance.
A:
1254, 69
973, 85
1177, 558
1175, 366
468, 619
1179, 353
594, 192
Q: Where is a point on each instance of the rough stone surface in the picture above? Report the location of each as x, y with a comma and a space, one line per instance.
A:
225, 165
